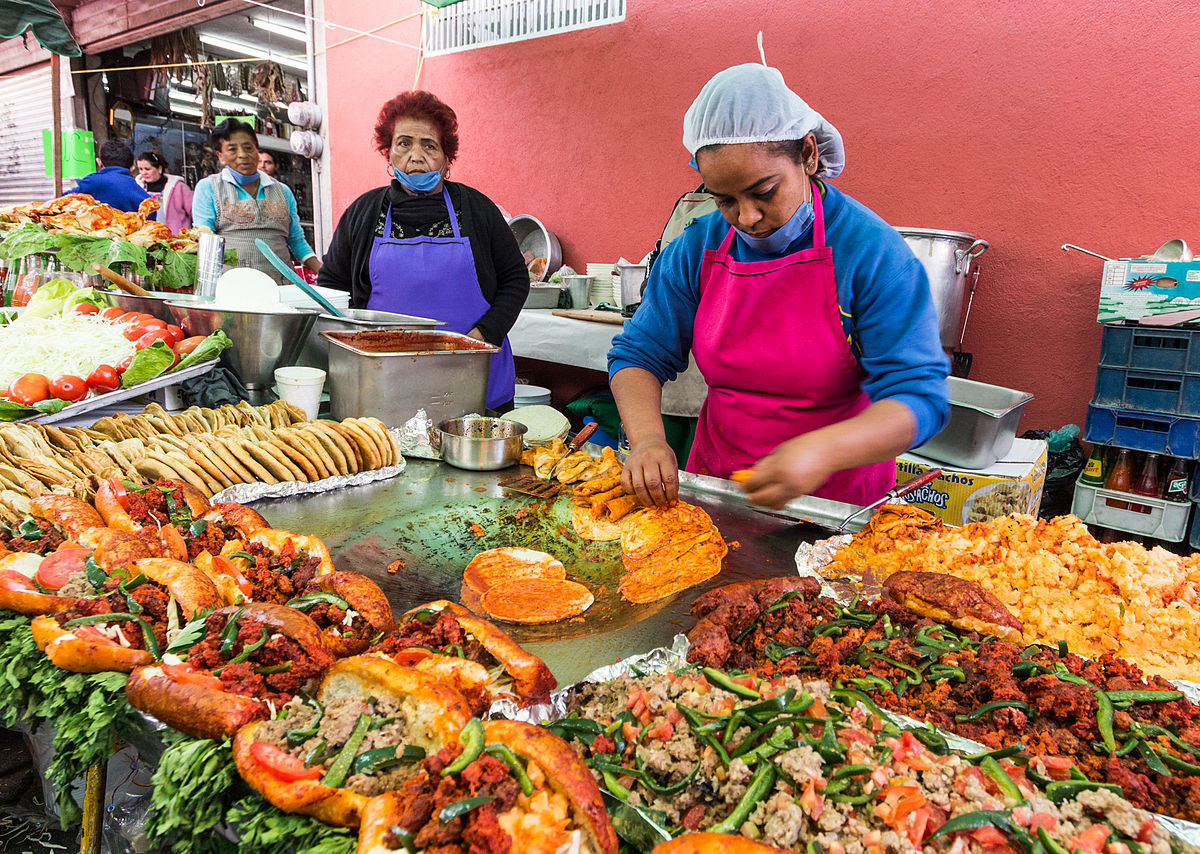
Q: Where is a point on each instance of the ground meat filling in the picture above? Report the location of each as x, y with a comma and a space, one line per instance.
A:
149, 601
212, 539
279, 576
47, 541
440, 633
329, 616
259, 675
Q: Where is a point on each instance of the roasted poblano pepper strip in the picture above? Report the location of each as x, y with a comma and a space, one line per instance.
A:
281, 667
851, 771
404, 838
858, 696
974, 821
1150, 755
1104, 721
945, 640
1065, 790
932, 739
777, 652
1179, 765
611, 783
1145, 696
339, 769
471, 739
247, 651
308, 600
871, 683
230, 632
725, 682
1004, 782
299, 736
504, 753
245, 555
1026, 669
583, 729
768, 708
942, 672
316, 756
1051, 844
735, 721
782, 601
760, 784
148, 638
998, 753
198, 527
460, 808
95, 575
912, 672
370, 761
988, 708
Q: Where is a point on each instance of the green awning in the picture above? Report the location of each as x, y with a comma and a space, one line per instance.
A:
440, 4
47, 24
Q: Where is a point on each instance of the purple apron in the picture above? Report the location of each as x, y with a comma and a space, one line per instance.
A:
435, 277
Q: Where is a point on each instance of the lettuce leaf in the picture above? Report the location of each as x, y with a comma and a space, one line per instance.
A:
175, 271
148, 363
29, 239
84, 295
80, 252
10, 410
205, 350
50, 298
88, 711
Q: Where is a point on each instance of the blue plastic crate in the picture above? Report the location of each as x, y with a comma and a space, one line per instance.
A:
1153, 391
1172, 435
1150, 349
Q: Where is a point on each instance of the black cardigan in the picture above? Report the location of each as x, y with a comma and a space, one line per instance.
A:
503, 276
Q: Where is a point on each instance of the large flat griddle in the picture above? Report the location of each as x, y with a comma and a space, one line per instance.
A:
425, 517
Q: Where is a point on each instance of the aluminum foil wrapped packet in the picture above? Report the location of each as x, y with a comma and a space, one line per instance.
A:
419, 437
244, 493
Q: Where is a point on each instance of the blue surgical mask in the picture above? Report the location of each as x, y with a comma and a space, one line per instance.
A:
242, 180
781, 239
418, 182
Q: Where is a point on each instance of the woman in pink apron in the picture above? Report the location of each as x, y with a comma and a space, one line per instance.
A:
430, 247
809, 317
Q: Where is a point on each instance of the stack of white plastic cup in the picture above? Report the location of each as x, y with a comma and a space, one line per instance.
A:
301, 387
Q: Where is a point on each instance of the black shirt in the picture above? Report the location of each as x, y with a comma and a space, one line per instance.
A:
157, 186
503, 277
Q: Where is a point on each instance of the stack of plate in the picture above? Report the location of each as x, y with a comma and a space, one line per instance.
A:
293, 296
530, 395
600, 289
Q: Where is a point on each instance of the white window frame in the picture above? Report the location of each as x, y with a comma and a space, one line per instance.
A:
472, 24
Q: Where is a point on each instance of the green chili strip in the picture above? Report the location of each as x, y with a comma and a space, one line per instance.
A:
308, 600
316, 755
337, 772
851, 771
198, 527
95, 575
460, 808
725, 682
864, 657
1061, 671
999, 753
1066, 790
931, 738
611, 783
471, 739
1179, 765
942, 672
1007, 787
871, 683
247, 651
782, 601
404, 838
769, 708
245, 555
230, 632
760, 784
847, 693
1150, 755
370, 761
776, 652
191, 634
1026, 669
988, 708
1145, 696
1104, 721
974, 821
735, 721
852, 800
505, 755
1063, 651
282, 667
148, 638
946, 639
1049, 842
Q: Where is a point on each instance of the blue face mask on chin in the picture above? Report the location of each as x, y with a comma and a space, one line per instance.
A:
418, 182
781, 239
242, 180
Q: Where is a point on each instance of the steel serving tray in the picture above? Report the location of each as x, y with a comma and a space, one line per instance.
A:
983, 424
74, 410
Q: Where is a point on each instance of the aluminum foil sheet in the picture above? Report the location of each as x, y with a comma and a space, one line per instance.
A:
244, 493
419, 437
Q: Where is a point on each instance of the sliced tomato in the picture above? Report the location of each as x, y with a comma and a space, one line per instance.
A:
92, 634
283, 765
988, 835
1091, 840
112, 313
15, 582
663, 731
55, 569
173, 540
185, 674
84, 308
225, 566
408, 657
916, 830
119, 492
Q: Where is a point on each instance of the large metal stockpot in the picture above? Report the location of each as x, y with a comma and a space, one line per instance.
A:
947, 257
391, 374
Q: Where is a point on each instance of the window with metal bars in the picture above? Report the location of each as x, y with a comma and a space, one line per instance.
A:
479, 23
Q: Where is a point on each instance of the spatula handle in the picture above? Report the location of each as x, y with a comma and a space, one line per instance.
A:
583, 435
916, 483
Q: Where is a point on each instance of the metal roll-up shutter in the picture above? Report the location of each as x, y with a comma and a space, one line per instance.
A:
25, 109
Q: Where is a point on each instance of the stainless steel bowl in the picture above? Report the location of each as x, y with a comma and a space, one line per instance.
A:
539, 241
262, 341
482, 444
155, 304
315, 353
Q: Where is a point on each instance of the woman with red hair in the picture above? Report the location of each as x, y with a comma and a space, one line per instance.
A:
427, 246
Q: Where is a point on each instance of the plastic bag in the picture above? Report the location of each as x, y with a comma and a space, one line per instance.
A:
1065, 460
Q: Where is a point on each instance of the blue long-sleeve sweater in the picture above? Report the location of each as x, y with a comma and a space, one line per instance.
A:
882, 291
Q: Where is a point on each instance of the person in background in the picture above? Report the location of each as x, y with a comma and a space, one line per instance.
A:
172, 192
809, 317
111, 183
242, 204
427, 246
266, 163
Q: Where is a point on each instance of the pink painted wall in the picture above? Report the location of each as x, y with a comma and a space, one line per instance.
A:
1028, 124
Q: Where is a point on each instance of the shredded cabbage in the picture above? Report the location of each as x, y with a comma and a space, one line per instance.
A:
68, 344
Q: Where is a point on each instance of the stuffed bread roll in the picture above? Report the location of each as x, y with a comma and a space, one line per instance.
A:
444, 628
714, 843
348, 608
134, 619
159, 512
512, 786
230, 668
365, 733
68, 513
269, 565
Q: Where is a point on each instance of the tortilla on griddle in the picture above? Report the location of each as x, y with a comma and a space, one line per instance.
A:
497, 566
536, 600
599, 530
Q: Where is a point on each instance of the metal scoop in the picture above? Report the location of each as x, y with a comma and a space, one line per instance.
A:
287, 271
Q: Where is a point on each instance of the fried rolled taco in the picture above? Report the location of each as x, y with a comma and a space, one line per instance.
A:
365, 734
511, 786
348, 608
131, 622
32, 584
444, 637
238, 663
159, 513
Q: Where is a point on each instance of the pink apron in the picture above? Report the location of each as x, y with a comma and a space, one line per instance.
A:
769, 341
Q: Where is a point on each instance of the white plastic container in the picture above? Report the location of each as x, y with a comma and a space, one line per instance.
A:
1134, 514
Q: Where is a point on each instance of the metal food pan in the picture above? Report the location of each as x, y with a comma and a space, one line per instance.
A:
315, 353
543, 296
983, 424
391, 374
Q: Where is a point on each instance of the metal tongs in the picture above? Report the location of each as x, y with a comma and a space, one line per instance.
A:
898, 491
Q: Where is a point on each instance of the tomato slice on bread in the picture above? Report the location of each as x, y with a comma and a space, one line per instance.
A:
282, 764
186, 675
14, 581
55, 569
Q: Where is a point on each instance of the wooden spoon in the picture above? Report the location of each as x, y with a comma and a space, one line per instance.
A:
121, 282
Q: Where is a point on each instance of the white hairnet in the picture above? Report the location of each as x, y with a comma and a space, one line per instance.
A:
751, 103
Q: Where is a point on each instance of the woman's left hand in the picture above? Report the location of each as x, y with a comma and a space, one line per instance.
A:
797, 467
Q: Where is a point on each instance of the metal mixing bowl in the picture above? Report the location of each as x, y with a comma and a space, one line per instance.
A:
538, 241
262, 341
155, 304
482, 444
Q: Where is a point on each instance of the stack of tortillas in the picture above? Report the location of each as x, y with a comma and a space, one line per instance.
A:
518, 585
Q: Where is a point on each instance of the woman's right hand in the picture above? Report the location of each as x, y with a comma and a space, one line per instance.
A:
652, 473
